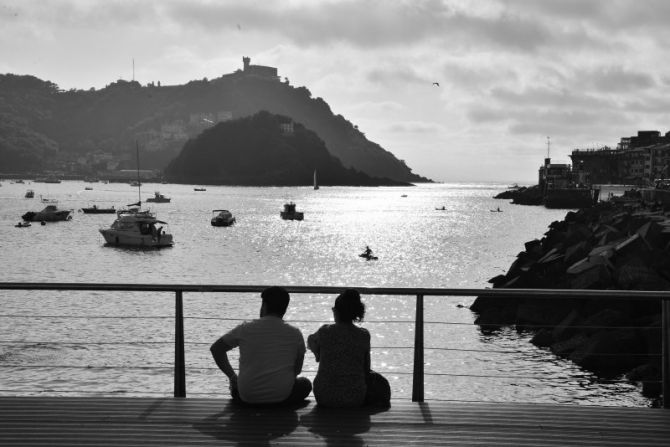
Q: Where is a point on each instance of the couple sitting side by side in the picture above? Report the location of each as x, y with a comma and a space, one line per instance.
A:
272, 354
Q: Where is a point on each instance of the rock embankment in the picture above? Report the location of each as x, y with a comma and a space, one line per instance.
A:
617, 246
524, 195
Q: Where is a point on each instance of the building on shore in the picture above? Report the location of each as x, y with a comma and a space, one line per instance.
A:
637, 160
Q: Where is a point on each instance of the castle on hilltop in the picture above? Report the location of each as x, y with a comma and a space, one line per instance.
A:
259, 71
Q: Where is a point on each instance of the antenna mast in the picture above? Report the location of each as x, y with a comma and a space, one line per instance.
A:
133, 69
548, 145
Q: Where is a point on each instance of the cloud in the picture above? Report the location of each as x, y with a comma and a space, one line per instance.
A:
614, 79
415, 127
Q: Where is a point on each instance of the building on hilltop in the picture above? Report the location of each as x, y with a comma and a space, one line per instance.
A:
259, 71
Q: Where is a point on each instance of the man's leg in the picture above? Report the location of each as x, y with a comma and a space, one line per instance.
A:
301, 389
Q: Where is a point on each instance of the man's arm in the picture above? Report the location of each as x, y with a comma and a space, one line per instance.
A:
219, 350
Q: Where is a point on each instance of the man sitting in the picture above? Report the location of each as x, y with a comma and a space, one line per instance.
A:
271, 356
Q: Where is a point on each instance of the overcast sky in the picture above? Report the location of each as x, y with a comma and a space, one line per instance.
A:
510, 72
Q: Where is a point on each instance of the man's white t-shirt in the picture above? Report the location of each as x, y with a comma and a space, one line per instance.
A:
269, 348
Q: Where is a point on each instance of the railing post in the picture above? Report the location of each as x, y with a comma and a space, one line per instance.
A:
417, 377
665, 330
179, 361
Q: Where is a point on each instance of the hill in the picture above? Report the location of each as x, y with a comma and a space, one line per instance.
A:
262, 150
43, 127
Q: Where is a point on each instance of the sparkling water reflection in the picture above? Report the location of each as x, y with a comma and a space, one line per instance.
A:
116, 342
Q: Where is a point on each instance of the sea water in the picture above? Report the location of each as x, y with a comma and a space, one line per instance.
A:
77, 343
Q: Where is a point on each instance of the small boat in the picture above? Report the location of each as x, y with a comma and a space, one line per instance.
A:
136, 228
49, 214
222, 218
367, 254
48, 200
441, 209
289, 212
403, 195
88, 188
497, 210
199, 189
29, 194
158, 198
95, 210
19, 181
135, 183
22, 225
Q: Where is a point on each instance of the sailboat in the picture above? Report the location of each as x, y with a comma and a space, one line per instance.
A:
316, 183
136, 228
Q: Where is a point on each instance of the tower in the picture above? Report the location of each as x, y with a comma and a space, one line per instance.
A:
246, 61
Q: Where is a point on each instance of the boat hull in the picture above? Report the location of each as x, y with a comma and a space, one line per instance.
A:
98, 210
135, 239
47, 217
298, 215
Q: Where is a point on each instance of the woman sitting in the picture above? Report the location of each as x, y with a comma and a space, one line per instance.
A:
344, 378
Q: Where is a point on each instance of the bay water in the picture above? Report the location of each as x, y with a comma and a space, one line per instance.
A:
121, 343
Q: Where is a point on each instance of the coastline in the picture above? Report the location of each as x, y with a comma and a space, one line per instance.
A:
616, 245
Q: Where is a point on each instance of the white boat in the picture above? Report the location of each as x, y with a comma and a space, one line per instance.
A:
222, 218
136, 228
49, 214
289, 212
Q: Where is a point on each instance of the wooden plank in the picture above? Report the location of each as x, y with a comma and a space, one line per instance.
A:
146, 422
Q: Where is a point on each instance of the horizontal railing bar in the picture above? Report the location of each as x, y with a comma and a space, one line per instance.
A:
452, 323
391, 373
376, 348
534, 293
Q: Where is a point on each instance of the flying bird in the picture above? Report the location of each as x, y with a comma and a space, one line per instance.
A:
436, 83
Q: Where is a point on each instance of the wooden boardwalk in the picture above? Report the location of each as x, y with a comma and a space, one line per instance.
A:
145, 422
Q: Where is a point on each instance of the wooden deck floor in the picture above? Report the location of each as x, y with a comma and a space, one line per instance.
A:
119, 421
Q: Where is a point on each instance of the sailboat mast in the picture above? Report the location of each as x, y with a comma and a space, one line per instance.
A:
139, 185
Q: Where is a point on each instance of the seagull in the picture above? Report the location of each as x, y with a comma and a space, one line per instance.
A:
436, 83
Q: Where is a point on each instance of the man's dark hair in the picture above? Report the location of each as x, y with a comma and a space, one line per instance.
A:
276, 300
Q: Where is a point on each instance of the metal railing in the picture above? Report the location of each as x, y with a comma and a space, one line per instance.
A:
419, 293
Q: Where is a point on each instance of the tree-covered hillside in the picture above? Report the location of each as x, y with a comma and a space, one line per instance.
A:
41, 124
263, 149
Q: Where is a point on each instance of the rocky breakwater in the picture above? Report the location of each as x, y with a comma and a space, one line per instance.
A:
523, 195
610, 246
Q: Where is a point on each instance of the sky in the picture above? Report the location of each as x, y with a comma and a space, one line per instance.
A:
511, 73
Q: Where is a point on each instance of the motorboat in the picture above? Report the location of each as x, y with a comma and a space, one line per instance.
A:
134, 227
222, 218
158, 198
367, 255
50, 213
95, 210
289, 212
22, 225
29, 194
199, 189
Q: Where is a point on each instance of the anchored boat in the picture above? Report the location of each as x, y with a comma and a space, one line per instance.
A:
136, 228
289, 212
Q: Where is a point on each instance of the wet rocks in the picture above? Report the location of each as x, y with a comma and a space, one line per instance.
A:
618, 246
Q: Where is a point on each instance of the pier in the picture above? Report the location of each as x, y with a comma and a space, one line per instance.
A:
31, 419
